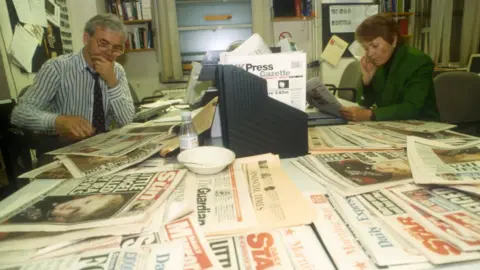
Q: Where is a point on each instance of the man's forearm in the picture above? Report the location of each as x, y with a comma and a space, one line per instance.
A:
31, 118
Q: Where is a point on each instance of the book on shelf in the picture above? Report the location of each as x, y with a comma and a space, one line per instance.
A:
139, 37
130, 10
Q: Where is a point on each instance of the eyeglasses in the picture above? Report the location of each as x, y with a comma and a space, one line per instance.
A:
104, 46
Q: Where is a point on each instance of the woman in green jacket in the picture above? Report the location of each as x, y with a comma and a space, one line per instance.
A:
397, 80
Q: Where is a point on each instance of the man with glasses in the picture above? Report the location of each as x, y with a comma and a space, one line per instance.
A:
78, 95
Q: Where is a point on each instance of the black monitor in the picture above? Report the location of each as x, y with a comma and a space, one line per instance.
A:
252, 122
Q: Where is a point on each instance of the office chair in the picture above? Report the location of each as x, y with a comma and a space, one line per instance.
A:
457, 95
347, 88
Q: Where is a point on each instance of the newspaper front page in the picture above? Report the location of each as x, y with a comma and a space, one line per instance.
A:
389, 208
305, 249
93, 202
198, 254
89, 166
222, 202
53, 170
227, 252
439, 163
286, 79
457, 208
340, 243
358, 172
165, 256
384, 245
275, 198
112, 144
263, 250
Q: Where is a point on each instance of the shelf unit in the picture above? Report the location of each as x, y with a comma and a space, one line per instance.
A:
137, 21
139, 50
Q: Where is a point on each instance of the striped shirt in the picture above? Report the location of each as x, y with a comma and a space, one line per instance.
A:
65, 86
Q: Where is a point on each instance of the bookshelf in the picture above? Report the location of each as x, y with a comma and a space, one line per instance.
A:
136, 21
293, 19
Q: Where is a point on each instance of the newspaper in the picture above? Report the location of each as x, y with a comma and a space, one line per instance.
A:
263, 250
320, 97
359, 172
89, 166
275, 198
110, 144
472, 189
454, 207
227, 252
384, 245
154, 164
411, 125
386, 206
358, 139
325, 138
93, 202
149, 128
198, 254
438, 163
379, 135
286, 78
54, 170
454, 235
165, 256
222, 202
340, 243
305, 249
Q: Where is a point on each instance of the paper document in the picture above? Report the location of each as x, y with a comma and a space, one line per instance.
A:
334, 50
320, 97
31, 11
23, 48
252, 46
285, 73
346, 18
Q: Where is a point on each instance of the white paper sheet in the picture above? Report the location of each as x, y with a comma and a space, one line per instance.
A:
346, 18
31, 11
23, 48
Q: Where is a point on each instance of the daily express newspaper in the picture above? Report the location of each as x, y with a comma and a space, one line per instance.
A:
359, 172
457, 208
93, 202
285, 73
112, 144
165, 256
340, 243
390, 209
438, 163
198, 254
384, 245
222, 202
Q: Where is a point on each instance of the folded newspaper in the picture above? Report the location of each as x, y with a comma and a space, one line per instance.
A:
439, 163
359, 172
92, 202
112, 144
411, 125
319, 96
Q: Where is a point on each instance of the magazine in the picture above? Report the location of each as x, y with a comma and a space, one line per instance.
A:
92, 202
110, 144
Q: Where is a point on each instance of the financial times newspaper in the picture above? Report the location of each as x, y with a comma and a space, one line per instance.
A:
438, 163
275, 198
198, 254
340, 243
165, 256
412, 125
385, 205
93, 202
285, 73
110, 144
457, 208
384, 245
88, 166
358, 172
222, 202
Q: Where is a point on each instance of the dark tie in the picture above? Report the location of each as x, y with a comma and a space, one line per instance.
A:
98, 117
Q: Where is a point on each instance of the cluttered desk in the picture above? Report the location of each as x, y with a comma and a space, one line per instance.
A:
276, 192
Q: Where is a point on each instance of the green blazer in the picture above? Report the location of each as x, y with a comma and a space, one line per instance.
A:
407, 91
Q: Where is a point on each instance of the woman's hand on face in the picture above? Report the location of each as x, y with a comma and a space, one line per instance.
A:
368, 70
356, 113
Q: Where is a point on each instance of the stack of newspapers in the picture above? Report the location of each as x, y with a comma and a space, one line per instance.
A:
379, 135
414, 208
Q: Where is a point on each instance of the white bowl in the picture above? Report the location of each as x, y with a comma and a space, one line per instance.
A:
206, 159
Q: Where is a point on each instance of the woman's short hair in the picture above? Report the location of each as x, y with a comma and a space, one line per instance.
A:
379, 25
107, 20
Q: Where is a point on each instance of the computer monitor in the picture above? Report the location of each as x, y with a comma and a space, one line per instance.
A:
252, 123
474, 63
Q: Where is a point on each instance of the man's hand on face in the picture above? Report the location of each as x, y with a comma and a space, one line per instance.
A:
73, 127
106, 69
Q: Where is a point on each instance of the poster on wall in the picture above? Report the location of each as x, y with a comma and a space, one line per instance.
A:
346, 18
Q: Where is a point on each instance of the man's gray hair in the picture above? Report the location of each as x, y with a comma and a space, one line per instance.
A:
108, 20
